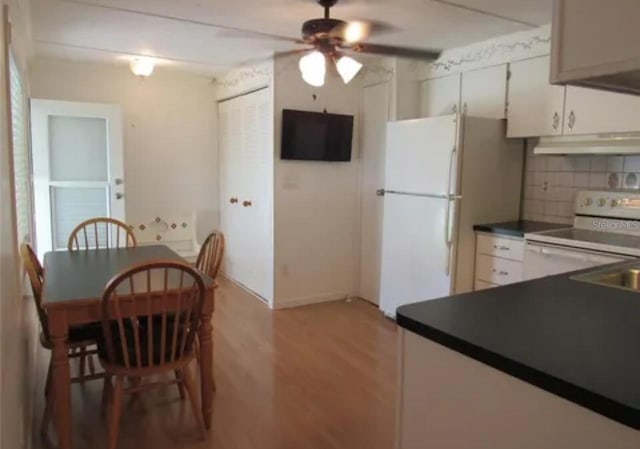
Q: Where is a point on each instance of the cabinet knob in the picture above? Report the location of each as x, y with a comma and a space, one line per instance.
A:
556, 121
233, 200
119, 196
246, 203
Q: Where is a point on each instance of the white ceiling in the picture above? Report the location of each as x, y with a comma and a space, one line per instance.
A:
194, 34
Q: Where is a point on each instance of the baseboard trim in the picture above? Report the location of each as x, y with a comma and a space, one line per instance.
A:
308, 300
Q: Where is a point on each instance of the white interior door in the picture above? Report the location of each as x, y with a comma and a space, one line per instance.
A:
78, 168
375, 108
245, 128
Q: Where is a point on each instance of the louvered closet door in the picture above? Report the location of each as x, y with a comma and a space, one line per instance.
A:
245, 132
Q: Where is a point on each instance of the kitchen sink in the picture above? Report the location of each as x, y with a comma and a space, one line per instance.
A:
626, 277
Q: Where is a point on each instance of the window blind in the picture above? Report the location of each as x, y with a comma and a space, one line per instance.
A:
21, 164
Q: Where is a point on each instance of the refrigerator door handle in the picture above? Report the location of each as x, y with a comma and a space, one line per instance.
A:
451, 164
449, 232
447, 238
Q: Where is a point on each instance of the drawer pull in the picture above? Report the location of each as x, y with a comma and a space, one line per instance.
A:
501, 273
501, 248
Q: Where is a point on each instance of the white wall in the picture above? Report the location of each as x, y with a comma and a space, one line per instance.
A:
169, 133
316, 203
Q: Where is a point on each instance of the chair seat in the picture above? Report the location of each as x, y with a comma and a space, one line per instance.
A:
130, 344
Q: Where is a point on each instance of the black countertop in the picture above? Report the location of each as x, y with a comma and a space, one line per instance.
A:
518, 228
577, 340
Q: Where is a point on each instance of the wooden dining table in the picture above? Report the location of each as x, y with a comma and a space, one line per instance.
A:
72, 295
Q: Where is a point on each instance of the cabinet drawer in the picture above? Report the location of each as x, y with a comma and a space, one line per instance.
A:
482, 285
499, 271
501, 247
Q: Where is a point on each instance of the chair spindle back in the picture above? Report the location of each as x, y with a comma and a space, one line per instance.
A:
101, 232
211, 254
138, 335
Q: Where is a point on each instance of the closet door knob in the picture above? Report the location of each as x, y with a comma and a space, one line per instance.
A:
246, 203
233, 200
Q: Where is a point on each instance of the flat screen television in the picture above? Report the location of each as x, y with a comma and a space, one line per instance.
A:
316, 136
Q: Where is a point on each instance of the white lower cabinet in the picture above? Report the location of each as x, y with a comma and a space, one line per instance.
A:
498, 260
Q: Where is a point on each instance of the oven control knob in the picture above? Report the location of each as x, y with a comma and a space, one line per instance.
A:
588, 202
602, 202
615, 203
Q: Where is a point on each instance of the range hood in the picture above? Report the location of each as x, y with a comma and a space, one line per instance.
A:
624, 143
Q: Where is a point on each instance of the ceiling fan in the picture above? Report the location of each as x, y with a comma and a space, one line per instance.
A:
331, 38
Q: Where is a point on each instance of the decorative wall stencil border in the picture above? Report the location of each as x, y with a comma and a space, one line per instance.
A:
243, 79
378, 71
500, 50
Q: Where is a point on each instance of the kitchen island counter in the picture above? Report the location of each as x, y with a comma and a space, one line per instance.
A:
576, 340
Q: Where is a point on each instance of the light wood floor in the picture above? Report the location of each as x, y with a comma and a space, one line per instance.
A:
315, 377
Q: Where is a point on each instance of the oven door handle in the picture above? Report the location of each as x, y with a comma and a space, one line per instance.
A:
565, 254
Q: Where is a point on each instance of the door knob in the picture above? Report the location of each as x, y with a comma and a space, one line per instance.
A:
119, 196
246, 203
233, 200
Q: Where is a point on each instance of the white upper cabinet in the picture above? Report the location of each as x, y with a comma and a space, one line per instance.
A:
440, 96
595, 44
484, 92
589, 111
535, 108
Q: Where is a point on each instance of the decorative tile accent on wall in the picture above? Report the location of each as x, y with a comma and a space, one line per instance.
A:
551, 182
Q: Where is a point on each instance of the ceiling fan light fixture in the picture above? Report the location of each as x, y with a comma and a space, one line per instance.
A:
348, 68
355, 31
142, 66
313, 68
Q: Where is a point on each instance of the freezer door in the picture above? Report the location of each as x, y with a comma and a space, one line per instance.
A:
421, 156
416, 250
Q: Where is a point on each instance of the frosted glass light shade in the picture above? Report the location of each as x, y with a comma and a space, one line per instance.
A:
313, 68
348, 68
142, 67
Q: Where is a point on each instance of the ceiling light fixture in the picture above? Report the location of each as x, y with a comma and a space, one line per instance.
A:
142, 67
313, 67
355, 31
348, 68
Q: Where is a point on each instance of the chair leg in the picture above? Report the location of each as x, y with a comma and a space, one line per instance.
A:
180, 384
83, 362
92, 366
107, 394
116, 409
193, 399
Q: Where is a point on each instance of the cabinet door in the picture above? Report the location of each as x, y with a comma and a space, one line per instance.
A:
535, 107
484, 92
440, 96
589, 111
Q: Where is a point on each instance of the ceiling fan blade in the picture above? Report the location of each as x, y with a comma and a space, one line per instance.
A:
259, 60
247, 34
359, 30
389, 50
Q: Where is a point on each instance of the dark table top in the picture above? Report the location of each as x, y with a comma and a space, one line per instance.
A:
577, 340
518, 228
83, 275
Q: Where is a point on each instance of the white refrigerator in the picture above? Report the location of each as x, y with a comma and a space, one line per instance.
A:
442, 175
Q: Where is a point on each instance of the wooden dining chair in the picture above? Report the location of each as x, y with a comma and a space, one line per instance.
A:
137, 344
101, 232
211, 253
80, 337
208, 262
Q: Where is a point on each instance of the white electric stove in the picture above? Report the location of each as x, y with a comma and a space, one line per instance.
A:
606, 229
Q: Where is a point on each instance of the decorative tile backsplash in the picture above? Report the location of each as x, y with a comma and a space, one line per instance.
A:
551, 182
